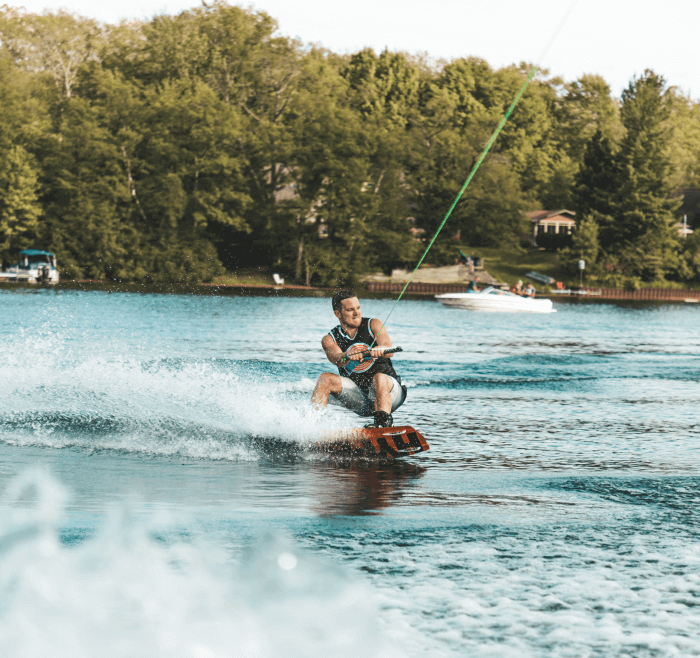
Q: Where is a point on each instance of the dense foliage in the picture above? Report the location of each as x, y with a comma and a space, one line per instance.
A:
166, 150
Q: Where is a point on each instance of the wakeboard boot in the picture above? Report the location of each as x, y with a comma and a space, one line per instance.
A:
381, 419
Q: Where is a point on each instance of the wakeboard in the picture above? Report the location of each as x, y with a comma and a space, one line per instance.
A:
377, 442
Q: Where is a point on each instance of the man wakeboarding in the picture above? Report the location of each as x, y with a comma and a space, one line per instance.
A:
366, 385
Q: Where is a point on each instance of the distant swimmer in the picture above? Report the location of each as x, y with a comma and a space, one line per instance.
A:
368, 386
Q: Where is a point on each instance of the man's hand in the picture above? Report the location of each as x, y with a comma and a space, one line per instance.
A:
375, 353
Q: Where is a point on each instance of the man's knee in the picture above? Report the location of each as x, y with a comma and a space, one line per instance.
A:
382, 383
330, 382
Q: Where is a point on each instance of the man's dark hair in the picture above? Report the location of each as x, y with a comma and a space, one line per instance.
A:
340, 296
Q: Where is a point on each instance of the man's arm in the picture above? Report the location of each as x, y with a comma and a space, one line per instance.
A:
333, 353
382, 339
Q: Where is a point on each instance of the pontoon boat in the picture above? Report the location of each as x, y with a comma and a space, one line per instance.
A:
35, 266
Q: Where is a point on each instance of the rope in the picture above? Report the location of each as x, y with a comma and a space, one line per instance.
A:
459, 196
487, 148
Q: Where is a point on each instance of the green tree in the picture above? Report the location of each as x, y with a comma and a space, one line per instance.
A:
595, 190
584, 241
19, 207
383, 86
83, 193
644, 217
529, 142
453, 121
584, 115
690, 265
334, 179
56, 44
585, 110
20, 120
627, 193
683, 144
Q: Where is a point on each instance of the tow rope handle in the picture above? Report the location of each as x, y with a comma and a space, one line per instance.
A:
366, 353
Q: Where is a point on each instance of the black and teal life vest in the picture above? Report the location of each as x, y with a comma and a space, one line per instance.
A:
361, 372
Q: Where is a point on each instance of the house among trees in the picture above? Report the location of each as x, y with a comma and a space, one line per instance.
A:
289, 191
551, 222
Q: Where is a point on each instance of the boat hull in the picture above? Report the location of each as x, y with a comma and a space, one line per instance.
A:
512, 304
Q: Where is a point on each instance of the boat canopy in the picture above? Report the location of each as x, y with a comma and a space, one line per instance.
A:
34, 252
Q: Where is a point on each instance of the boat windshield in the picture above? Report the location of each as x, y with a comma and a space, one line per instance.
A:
501, 293
34, 259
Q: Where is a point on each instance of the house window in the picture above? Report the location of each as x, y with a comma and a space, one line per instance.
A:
540, 229
551, 228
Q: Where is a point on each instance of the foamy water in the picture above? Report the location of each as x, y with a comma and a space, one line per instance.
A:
133, 590
159, 497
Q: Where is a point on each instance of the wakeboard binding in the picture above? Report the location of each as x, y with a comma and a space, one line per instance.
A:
381, 419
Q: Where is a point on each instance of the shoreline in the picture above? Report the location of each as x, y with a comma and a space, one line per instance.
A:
369, 289
585, 293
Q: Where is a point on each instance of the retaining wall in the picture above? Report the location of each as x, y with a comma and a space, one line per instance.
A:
424, 288
643, 294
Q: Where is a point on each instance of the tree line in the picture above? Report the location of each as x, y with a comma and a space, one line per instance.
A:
171, 149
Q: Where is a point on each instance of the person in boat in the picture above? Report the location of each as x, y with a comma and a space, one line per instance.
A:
529, 291
472, 285
369, 387
518, 287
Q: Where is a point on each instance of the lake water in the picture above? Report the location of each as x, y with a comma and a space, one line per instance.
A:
158, 497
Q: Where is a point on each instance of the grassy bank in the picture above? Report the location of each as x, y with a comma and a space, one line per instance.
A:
506, 264
510, 264
249, 277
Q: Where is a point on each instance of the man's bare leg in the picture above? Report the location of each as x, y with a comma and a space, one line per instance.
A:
327, 383
382, 392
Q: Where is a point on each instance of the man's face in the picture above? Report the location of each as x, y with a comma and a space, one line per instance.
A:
350, 314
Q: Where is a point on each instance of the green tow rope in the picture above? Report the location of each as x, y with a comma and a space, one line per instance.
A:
461, 192
482, 156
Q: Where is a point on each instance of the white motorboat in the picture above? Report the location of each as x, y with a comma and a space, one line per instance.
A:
492, 299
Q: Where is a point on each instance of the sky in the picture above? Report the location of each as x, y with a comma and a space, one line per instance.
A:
617, 39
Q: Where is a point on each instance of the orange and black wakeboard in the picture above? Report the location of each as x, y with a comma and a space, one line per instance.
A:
380, 442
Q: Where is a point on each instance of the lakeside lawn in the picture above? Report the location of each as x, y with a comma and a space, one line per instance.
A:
247, 277
510, 264
506, 264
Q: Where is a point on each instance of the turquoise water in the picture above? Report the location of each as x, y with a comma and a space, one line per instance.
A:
159, 497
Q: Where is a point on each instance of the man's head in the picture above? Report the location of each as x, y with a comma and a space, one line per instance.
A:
346, 307
476, 279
